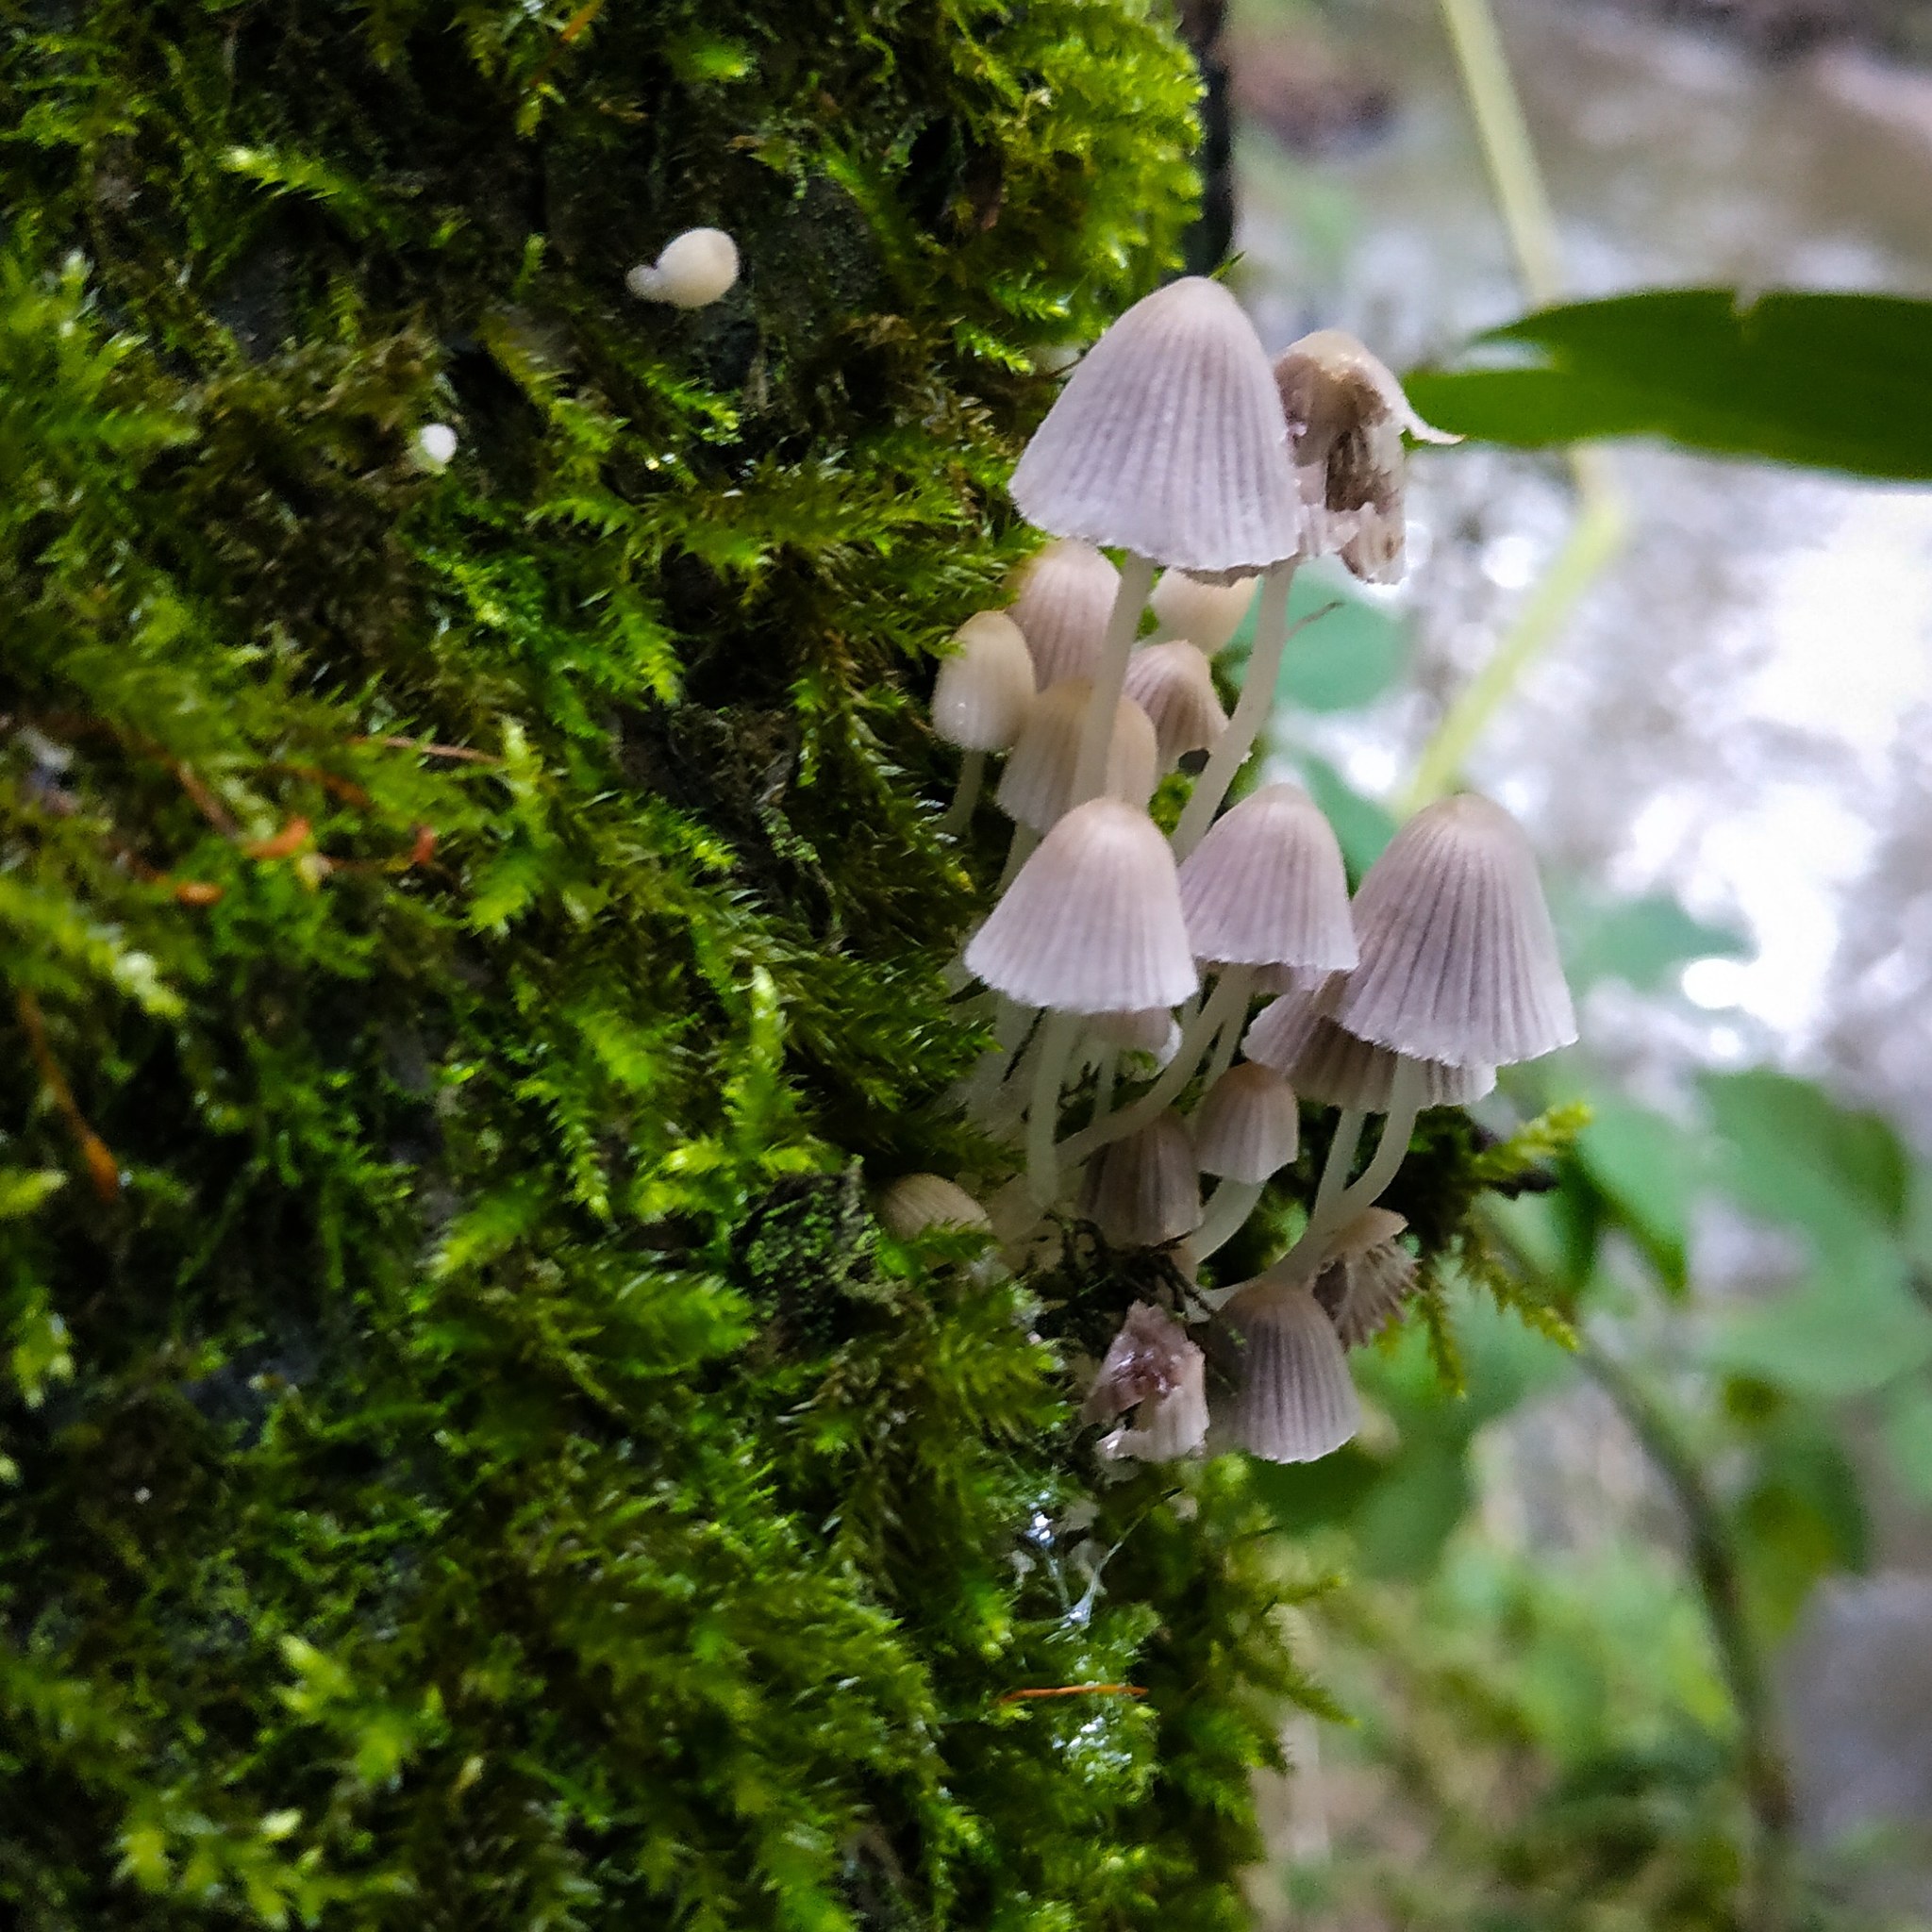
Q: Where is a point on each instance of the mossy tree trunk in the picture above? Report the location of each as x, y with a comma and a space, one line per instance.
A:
470, 1460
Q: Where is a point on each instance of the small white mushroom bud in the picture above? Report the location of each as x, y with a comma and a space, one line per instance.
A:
1146, 1189
436, 445
693, 270
1066, 593
1173, 684
984, 687
916, 1202
1206, 615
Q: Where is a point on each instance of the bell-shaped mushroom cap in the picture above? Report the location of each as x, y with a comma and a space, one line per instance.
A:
1173, 684
1459, 959
1168, 440
1066, 595
1155, 1032
1152, 1365
985, 689
1092, 924
1294, 1401
1367, 1277
1207, 615
1333, 1068
916, 1202
693, 270
1347, 414
1247, 1125
1038, 783
1145, 1188
1266, 886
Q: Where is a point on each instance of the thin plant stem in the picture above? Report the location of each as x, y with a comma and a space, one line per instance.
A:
971, 776
1250, 712
1110, 674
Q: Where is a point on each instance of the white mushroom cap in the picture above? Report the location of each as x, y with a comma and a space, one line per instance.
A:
1460, 961
693, 270
1173, 684
1207, 615
1294, 1401
1155, 1032
1368, 1277
1038, 783
1066, 593
436, 445
1153, 1365
1168, 441
1333, 1068
916, 1202
985, 688
1248, 1126
1145, 1188
1266, 887
1092, 924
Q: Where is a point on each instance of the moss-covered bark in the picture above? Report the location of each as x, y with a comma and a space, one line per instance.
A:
470, 1460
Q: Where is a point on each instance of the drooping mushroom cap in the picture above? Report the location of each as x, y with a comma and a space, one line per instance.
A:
985, 689
1335, 1069
1266, 886
1145, 1188
1248, 1126
1066, 595
693, 270
1152, 1365
1173, 684
1207, 615
1294, 1401
1458, 958
1168, 441
1038, 783
1092, 924
1347, 414
1367, 1277
916, 1202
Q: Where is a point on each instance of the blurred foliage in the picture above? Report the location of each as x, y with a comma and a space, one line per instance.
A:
1833, 381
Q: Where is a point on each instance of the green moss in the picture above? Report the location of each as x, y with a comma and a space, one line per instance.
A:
480, 1466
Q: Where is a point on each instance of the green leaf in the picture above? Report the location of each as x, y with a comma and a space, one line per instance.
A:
1639, 942
1908, 1434
1834, 381
1649, 1169
23, 1190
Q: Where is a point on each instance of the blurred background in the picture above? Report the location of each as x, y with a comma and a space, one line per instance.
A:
1638, 1634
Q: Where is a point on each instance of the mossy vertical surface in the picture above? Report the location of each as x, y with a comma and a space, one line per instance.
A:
471, 1458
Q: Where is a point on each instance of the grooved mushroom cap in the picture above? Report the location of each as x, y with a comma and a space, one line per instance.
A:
1294, 1401
1368, 1277
1038, 782
1347, 414
985, 689
1248, 1126
1168, 441
1066, 595
1335, 1069
1145, 1188
693, 270
1173, 684
1092, 924
1153, 1365
1266, 886
1207, 615
916, 1202
1459, 959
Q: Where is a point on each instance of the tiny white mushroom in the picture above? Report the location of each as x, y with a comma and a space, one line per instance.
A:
691, 270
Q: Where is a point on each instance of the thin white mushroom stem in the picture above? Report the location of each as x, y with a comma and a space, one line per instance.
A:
1009, 1027
1228, 1000
1223, 1057
1105, 1070
1348, 1137
1405, 1103
1018, 852
1228, 1209
1110, 674
966, 794
1057, 1037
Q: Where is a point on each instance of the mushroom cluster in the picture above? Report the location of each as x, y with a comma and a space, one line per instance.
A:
1112, 948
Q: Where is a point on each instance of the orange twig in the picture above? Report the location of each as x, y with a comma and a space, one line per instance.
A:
102, 1170
1072, 1691
285, 844
429, 749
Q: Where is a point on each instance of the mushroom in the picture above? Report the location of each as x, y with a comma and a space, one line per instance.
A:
1246, 1129
1167, 442
1206, 615
1145, 1190
1173, 684
980, 701
1153, 1367
916, 1202
1292, 1401
691, 270
1367, 1277
1066, 591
